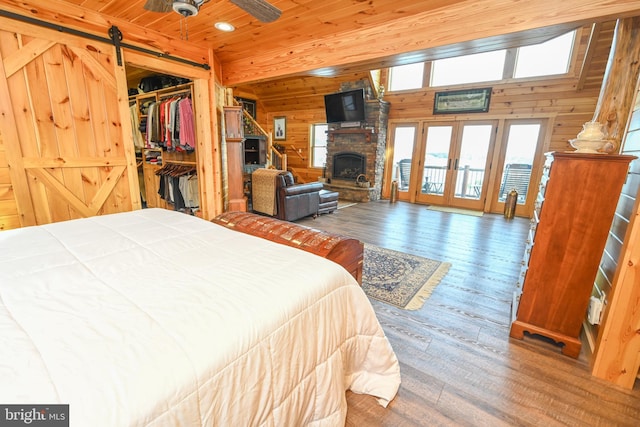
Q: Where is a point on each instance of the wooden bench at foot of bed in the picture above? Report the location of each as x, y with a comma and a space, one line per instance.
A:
345, 251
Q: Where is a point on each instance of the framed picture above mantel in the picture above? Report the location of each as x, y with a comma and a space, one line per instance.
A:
462, 101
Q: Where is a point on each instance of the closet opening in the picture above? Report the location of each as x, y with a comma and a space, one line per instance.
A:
164, 133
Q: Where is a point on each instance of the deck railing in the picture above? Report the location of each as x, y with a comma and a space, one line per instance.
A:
468, 183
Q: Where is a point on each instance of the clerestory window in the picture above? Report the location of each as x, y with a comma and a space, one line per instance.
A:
545, 59
552, 57
480, 67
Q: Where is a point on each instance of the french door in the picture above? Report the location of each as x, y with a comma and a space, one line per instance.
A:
463, 164
521, 151
453, 160
404, 136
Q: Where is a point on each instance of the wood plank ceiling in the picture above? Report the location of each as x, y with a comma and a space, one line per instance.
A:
326, 37
301, 21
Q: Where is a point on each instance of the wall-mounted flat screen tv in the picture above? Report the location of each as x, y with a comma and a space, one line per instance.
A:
345, 106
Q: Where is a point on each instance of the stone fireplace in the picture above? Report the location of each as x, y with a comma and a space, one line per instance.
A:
352, 151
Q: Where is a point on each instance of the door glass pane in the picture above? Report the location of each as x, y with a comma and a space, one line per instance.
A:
521, 148
436, 158
472, 160
403, 140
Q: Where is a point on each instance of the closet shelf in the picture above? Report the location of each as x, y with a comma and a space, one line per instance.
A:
164, 92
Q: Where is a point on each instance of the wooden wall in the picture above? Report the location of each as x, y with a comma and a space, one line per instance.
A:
301, 101
570, 101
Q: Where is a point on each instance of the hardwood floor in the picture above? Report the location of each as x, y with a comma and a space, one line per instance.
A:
458, 364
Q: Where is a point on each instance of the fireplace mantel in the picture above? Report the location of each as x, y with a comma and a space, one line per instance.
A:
365, 132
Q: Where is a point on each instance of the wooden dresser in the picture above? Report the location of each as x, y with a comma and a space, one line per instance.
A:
572, 216
346, 251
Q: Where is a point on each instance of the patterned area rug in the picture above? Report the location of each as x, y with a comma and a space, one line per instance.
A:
403, 280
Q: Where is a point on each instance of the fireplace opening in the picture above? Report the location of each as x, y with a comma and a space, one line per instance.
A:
348, 165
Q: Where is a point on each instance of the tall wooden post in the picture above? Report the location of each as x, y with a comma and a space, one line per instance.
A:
619, 82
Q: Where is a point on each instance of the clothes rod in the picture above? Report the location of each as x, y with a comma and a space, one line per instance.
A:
180, 162
116, 34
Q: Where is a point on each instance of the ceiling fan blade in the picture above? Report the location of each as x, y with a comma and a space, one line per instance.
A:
260, 9
158, 5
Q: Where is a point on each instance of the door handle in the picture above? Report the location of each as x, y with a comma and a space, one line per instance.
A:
456, 165
449, 165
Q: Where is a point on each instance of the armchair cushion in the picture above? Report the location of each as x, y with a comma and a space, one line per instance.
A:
309, 187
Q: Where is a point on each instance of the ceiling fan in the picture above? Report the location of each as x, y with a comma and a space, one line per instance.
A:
260, 9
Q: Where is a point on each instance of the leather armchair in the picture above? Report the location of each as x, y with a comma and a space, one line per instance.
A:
296, 201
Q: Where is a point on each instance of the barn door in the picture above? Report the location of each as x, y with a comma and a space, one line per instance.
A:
65, 128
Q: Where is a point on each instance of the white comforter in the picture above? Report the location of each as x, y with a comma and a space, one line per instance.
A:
158, 318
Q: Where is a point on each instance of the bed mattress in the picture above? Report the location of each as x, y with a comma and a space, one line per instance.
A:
158, 318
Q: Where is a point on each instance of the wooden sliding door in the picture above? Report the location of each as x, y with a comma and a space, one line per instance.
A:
65, 126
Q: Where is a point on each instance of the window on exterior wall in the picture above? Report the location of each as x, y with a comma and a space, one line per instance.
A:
319, 145
406, 77
481, 67
545, 59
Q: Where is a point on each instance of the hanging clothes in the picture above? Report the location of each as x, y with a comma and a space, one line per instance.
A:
179, 186
187, 137
189, 190
153, 126
169, 123
138, 139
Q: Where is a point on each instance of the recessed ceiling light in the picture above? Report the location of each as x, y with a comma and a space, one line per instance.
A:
224, 26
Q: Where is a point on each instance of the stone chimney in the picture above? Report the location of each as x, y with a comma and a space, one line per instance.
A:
367, 140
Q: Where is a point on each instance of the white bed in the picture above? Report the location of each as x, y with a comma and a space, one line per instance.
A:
158, 318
